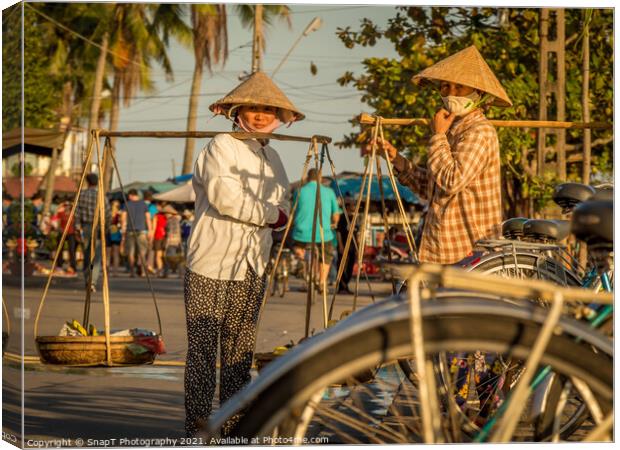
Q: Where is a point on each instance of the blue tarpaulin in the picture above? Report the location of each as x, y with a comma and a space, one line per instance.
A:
351, 186
182, 179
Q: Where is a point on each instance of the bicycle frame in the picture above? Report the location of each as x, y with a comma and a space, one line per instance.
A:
509, 412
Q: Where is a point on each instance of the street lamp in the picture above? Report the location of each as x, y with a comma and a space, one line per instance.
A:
312, 26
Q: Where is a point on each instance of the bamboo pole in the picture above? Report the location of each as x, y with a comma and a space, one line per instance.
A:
210, 134
105, 293
370, 119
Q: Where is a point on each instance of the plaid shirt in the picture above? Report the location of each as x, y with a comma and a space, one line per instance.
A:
85, 211
462, 182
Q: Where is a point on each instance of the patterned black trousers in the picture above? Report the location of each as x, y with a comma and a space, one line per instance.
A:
224, 310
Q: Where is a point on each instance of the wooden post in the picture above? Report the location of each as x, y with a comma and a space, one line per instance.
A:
555, 87
585, 104
587, 134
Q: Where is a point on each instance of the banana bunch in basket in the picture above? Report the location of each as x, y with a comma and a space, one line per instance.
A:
75, 328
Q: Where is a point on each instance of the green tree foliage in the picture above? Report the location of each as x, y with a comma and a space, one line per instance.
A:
508, 40
41, 91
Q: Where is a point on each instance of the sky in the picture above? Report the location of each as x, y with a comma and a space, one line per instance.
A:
326, 104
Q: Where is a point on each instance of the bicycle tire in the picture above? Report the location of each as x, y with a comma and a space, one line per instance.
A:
355, 345
527, 265
504, 263
543, 424
549, 270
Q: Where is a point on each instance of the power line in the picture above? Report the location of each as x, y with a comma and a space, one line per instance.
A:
58, 24
311, 11
329, 9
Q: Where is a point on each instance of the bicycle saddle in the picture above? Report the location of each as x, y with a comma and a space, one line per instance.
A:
568, 195
555, 230
603, 194
593, 222
513, 228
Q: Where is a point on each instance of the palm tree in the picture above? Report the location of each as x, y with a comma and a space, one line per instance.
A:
210, 44
140, 33
70, 62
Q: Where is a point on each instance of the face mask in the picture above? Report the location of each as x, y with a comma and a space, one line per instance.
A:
460, 105
268, 129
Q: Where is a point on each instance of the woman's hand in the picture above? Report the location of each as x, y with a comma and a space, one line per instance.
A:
383, 147
443, 121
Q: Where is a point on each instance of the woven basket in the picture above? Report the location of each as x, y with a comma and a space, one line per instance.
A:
89, 351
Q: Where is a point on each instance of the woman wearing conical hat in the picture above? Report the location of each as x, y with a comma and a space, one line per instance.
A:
241, 196
461, 180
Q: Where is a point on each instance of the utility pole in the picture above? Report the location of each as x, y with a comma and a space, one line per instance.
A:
585, 106
257, 42
585, 102
552, 90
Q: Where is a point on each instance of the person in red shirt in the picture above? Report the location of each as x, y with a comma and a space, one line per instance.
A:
115, 238
159, 238
62, 215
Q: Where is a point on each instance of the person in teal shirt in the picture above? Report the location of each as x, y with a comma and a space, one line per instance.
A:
304, 217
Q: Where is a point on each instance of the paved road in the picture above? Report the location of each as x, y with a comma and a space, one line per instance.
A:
144, 402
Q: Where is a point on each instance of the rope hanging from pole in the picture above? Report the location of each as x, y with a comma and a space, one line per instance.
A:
89, 153
133, 229
98, 225
102, 225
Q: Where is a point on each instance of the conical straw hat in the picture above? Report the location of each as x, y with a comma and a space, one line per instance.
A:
258, 89
468, 68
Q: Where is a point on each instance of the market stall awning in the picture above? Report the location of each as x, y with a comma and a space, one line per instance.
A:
182, 178
351, 186
36, 140
182, 194
32, 184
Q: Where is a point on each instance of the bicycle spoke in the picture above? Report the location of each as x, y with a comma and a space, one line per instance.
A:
508, 422
555, 437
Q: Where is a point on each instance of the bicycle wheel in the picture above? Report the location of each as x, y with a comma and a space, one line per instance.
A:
551, 395
525, 266
303, 395
531, 266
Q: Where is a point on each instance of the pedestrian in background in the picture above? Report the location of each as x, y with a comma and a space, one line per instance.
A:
304, 222
186, 228
136, 228
62, 215
173, 250
84, 217
342, 230
116, 237
159, 238
147, 196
